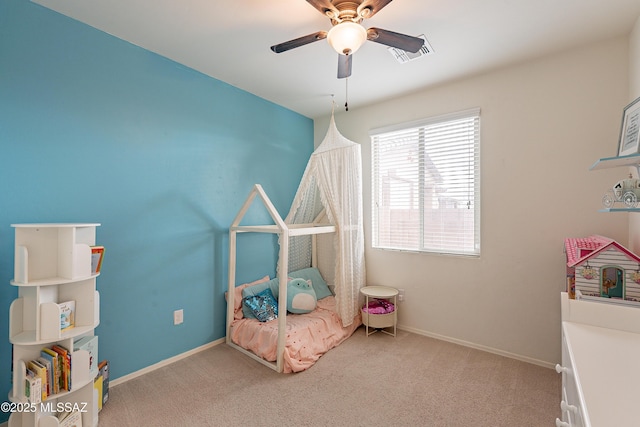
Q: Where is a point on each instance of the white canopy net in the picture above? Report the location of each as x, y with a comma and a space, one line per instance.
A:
332, 182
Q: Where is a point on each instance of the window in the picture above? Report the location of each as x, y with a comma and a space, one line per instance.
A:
426, 185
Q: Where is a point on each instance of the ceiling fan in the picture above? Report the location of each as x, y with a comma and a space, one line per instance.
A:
347, 33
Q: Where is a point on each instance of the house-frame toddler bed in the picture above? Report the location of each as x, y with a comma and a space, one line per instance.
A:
305, 337
325, 217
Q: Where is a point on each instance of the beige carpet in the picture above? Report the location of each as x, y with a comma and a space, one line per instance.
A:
379, 380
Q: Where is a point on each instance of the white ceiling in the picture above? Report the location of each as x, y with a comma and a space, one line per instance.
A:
229, 40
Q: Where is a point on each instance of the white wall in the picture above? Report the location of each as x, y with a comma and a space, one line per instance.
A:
544, 123
634, 62
634, 92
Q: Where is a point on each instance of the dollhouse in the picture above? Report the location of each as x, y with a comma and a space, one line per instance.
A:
599, 267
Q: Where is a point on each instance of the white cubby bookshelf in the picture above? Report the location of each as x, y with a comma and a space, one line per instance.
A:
52, 266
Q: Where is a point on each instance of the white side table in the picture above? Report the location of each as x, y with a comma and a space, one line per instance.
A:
380, 321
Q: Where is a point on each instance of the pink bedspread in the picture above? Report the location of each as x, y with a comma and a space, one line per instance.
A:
309, 335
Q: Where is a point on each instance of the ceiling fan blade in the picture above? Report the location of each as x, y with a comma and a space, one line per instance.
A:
344, 66
390, 38
324, 6
300, 41
374, 7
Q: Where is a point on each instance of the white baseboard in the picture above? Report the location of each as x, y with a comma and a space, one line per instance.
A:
515, 356
125, 378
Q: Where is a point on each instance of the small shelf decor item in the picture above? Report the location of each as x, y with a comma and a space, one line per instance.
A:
630, 130
626, 191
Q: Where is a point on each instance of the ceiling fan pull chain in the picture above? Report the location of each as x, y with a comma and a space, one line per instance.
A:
346, 97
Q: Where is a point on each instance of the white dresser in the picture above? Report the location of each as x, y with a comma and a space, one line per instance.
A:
600, 364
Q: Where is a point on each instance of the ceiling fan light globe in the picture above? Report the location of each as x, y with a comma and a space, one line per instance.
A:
347, 37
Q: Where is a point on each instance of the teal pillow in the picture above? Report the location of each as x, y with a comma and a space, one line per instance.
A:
319, 285
301, 298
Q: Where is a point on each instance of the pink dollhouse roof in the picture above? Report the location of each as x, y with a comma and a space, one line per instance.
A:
581, 249
576, 248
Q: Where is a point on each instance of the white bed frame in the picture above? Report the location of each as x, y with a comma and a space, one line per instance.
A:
284, 231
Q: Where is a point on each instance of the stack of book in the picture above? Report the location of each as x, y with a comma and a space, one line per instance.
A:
50, 374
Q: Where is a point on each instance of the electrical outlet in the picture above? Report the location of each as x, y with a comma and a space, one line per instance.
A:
178, 317
400, 294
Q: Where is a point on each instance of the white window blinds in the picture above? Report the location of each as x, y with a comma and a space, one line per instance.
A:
426, 185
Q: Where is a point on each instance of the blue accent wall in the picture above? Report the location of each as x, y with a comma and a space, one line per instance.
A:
95, 129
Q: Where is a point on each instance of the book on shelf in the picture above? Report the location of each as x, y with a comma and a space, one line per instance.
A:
40, 372
97, 254
103, 369
48, 365
67, 315
32, 387
65, 359
98, 383
56, 360
90, 345
70, 419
